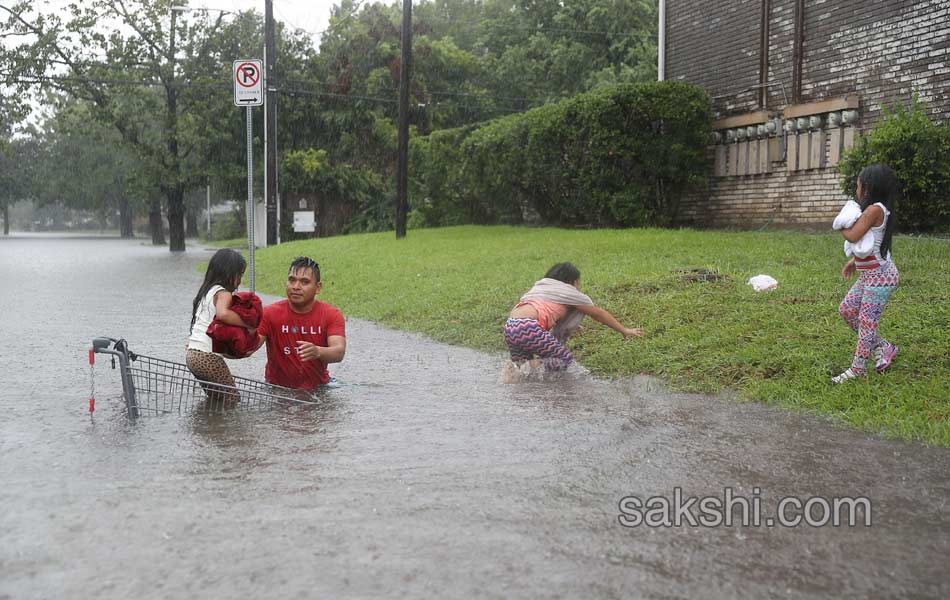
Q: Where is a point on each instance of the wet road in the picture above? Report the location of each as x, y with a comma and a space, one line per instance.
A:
423, 477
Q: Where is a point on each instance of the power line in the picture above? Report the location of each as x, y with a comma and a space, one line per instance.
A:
475, 95
559, 30
469, 107
289, 91
440, 93
42, 79
341, 21
302, 92
306, 89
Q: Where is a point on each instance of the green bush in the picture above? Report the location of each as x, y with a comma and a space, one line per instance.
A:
230, 225
435, 192
919, 152
311, 172
618, 156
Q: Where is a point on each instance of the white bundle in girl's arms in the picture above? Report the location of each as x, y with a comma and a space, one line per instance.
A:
846, 218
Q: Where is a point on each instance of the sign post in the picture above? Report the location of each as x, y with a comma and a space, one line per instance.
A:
248, 92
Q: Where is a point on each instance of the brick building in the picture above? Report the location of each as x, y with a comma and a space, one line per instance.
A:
793, 83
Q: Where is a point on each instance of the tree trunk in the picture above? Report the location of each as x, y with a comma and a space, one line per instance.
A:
402, 138
125, 219
176, 218
191, 220
6, 218
175, 192
155, 222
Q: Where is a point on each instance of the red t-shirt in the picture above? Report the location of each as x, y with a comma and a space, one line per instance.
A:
283, 328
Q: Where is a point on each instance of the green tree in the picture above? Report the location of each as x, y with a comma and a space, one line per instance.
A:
103, 177
472, 61
140, 70
169, 96
17, 157
552, 50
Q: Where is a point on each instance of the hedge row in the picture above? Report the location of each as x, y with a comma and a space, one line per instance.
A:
918, 150
619, 156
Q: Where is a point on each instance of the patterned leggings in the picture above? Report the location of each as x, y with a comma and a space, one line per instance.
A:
862, 308
210, 367
526, 338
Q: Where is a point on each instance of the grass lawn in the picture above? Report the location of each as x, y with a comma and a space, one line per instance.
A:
457, 285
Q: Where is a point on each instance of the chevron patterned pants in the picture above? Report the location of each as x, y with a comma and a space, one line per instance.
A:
862, 308
526, 339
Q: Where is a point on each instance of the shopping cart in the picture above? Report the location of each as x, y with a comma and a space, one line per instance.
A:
155, 386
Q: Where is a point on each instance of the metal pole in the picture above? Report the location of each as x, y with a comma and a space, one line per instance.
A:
764, 54
176, 207
661, 43
402, 144
270, 123
278, 200
250, 199
208, 213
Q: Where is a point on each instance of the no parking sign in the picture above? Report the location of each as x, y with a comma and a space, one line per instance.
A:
248, 83
249, 91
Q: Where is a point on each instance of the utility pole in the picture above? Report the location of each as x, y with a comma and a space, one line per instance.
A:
402, 145
661, 43
270, 124
208, 212
176, 212
171, 38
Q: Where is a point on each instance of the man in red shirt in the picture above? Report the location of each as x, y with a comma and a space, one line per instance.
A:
302, 334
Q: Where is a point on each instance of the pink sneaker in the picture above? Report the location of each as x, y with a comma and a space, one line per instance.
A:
884, 361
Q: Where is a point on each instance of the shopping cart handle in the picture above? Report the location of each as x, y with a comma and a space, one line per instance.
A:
101, 343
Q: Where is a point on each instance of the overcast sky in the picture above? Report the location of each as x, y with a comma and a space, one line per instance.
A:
311, 16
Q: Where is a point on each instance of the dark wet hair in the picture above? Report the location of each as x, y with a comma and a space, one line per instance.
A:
223, 268
879, 184
305, 262
565, 272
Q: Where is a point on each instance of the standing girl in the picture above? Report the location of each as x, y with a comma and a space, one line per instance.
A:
214, 301
548, 314
877, 274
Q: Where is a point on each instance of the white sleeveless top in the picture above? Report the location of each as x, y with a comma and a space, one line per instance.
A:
869, 258
199, 340
878, 233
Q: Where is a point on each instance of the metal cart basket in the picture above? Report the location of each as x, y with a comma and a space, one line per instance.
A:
155, 386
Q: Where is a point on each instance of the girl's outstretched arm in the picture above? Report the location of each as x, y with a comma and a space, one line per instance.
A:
223, 312
602, 315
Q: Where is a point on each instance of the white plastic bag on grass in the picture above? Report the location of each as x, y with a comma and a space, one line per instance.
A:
762, 282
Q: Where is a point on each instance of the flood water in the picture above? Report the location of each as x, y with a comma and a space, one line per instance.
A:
423, 476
